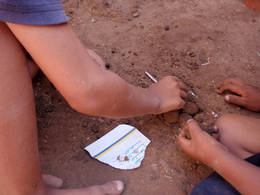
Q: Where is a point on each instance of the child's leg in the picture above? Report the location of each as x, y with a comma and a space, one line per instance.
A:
240, 134
19, 163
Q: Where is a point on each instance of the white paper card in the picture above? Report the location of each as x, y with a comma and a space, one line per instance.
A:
122, 148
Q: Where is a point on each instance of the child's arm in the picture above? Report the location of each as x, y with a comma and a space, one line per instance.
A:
87, 87
242, 175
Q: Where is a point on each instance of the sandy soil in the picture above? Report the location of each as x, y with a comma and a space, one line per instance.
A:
164, 37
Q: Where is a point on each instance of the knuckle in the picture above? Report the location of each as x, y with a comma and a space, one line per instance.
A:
180, 103
168, 78
173, 78
244, 102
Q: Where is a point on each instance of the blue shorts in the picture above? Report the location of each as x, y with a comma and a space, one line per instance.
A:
32, 12
217, 185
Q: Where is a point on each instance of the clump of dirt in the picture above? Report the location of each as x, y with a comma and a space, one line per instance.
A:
190, 108
184, 117
180, 117
170, 117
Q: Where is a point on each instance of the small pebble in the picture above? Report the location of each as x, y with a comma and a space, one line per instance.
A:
95, 130
190, 96
107, 5
100, 120
84, 125
135, 14
199, 117
167, 28
108, 66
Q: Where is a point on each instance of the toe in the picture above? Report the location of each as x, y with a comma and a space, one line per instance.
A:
113, 187
52, 181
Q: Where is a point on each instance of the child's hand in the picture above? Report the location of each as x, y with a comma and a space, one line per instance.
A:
247, 95
171, 92
201, 146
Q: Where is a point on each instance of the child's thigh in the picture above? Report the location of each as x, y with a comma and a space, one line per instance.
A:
241, 134
15, 83
18, 133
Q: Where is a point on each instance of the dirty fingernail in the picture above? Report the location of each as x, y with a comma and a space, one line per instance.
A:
189, 121
119, 186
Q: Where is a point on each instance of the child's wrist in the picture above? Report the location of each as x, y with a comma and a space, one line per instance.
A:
156, 102
216, 157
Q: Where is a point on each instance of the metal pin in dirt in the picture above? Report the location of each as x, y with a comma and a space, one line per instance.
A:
151, 77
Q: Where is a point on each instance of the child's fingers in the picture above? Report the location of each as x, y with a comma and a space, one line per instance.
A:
181, 133
235, 81
235, 100
180, 104
183, 94
231, 87
183, 86
193, 128
183, 141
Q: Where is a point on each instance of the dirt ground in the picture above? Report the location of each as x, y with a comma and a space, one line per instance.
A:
164, 37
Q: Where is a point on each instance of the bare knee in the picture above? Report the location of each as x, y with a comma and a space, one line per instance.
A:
230, 127
225, 120
226, 130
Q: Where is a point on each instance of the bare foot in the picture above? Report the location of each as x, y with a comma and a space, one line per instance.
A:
52, 181
110, 188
